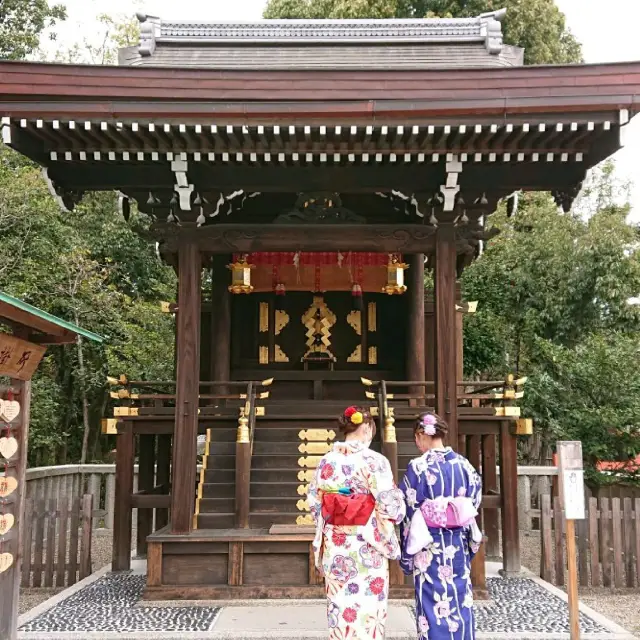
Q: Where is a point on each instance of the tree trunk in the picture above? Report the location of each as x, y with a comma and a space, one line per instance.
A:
86, 425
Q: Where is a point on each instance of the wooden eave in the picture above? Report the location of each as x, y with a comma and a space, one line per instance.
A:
531, 128
39, 326
83, 91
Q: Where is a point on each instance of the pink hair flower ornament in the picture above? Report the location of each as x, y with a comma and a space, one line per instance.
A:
429, 425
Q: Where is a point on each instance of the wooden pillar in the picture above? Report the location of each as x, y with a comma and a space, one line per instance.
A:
220, 320
146, 482
429, 341
125, 452
163, 475
187, 389
416, 326
490, 518
12, 545
446, 339
509, 492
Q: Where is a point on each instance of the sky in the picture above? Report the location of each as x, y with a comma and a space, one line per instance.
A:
608, 33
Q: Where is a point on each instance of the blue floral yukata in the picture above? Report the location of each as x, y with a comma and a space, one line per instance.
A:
355, 559
442, 569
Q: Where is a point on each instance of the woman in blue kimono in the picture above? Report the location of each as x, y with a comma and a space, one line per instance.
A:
439, 535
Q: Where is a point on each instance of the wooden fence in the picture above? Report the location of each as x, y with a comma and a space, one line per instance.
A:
607, 542
56, 541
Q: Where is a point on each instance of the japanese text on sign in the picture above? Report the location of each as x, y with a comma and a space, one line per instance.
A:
19, 358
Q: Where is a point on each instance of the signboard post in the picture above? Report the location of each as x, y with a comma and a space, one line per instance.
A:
571, 475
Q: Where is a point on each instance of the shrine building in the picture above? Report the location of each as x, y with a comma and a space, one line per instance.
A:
300, 176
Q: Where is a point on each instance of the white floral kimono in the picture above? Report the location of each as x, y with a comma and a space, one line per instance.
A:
355, 559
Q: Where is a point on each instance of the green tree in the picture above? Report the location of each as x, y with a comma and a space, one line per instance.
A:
21, 24
537, 25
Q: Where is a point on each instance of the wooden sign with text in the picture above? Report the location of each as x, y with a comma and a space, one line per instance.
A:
18, 358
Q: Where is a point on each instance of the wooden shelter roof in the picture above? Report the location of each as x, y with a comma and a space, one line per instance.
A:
159, 130
48, 328
324, 44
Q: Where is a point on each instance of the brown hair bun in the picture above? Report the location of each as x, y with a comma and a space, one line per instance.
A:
349, 421
441, 427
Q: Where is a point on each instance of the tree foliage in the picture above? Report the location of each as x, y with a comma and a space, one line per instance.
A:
537, 25
554, 292
22, 22
90, 267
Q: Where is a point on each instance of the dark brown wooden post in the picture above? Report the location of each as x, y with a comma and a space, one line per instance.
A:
187, 389
15, 476
446, 339
429, 340
125, 452
146, 481
243, 469
416, 328
163, 475
509, 492
220, 320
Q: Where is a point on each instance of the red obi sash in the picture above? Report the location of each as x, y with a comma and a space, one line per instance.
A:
345, 511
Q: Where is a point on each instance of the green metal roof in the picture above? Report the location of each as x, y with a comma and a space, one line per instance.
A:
48, 318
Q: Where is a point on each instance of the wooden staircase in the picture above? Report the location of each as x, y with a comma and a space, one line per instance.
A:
277, 486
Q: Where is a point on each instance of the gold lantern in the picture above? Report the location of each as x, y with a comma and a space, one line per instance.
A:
395, 276
241, 275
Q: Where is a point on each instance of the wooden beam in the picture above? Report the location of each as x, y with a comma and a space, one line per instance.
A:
146, 479
446, 338
220, 321
509, 493
223, 238
187, 374
416, 325
125, 452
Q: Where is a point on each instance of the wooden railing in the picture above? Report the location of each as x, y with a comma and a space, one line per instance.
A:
72, 481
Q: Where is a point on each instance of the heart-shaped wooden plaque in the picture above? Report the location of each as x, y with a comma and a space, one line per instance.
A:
6, 560
8, 447
8, 485
10, 410
6, 522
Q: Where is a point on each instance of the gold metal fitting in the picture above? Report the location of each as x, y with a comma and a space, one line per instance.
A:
524, 427
243, 429
389, 427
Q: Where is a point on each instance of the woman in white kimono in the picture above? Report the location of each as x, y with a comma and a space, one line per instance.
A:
356, 505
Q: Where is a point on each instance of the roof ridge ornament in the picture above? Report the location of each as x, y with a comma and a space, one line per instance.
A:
150, 29
492, 30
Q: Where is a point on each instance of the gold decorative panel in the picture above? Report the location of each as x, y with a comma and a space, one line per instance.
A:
354, 318
302, 505
314, 447
282, 320
305, 520
356, 356
373, 355
280, 355
263, 355
303, 489
372, 319
264, 317
318, 319
306, 476
310, 462
317, 434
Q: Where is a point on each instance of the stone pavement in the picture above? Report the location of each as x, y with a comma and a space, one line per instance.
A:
107, 606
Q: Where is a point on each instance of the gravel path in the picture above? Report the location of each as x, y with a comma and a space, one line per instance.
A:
621, 606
